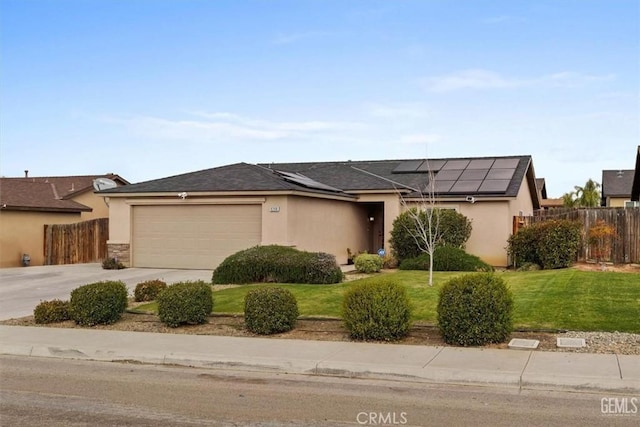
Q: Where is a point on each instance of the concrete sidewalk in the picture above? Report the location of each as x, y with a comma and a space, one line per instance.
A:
445, 365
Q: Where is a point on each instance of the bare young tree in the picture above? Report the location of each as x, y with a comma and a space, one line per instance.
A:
425, 216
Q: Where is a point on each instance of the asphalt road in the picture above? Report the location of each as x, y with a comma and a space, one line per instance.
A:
57, 392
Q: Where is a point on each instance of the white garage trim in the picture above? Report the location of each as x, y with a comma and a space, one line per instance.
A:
192, 236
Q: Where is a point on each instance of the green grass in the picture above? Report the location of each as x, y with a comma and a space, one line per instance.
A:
550, 299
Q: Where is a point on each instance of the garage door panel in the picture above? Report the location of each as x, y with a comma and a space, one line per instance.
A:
193, 236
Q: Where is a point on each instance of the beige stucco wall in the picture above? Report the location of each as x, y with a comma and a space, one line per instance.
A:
88, 198
491, 227
23, 232
322, 225
617, 202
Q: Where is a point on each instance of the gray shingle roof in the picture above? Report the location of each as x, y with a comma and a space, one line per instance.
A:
491, 176
635, 189
617, 183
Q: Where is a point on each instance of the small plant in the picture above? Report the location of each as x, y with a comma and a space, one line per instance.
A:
112, 264
368, 263
185, 303
475, 309
148, 290
377, 311
389, 262
270, 310
600, 240
98, 303
53, 311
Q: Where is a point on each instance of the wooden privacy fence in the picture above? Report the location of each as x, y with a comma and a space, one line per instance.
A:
76, 243
625, 245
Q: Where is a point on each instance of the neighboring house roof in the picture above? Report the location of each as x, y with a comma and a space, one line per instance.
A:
485, 176
635, 188
551, 203
49, 194
541, 185
616, 183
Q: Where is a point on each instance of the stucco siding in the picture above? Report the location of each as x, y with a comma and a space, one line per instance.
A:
23, 233
327, 226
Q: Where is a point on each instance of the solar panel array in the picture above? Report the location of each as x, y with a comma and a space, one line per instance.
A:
463, 176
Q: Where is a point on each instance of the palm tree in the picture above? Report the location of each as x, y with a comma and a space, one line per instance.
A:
589, 195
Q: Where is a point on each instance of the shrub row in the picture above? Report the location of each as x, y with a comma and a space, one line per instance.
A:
280, 264
550, 244
446, 258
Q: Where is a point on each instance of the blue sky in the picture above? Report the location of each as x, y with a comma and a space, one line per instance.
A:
148, 88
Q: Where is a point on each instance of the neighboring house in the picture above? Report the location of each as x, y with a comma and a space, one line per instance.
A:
197, 219
635, 189
28, 204
546, 203
616, 188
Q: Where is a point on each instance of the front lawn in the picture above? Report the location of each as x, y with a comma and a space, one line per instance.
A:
551, 299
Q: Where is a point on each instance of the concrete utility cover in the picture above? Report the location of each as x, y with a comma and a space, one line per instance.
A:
571, 343
521, 344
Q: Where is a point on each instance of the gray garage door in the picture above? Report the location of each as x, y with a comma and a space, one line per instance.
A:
192, 236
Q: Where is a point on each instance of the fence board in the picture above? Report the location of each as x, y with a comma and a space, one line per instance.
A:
76, 243
625, 246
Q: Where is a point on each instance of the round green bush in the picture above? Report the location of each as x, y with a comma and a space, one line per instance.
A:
278, 264
378, 310
447, 258
185, 303
550, 244
475, 309
148, 290
368, 263
51, 312
98, 303
454, 230
270, 310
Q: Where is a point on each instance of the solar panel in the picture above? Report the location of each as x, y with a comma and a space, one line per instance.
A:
307, 182
494, 186
448, 175
433, 165
443, 186
455, 164
466, 186
472, 174
408, 166
480, 164
500, 173
506, 163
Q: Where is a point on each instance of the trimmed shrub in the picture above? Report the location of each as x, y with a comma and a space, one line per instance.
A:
475, 309
270, 310
279, 264
454, 229
185, 303
550, 244
377, 310
98, 303
112, 264
148, 290
368, 263
51, 311
447, 258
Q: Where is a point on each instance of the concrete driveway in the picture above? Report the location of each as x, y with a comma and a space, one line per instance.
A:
22, 288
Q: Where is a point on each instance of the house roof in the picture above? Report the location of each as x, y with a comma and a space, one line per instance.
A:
635, 188
50, 194
617, 183
459, 177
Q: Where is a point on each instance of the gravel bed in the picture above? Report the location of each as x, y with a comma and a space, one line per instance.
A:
605, 342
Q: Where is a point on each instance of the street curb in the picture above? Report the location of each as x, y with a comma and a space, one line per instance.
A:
340, 369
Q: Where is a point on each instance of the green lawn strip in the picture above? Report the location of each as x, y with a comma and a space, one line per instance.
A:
550, 299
